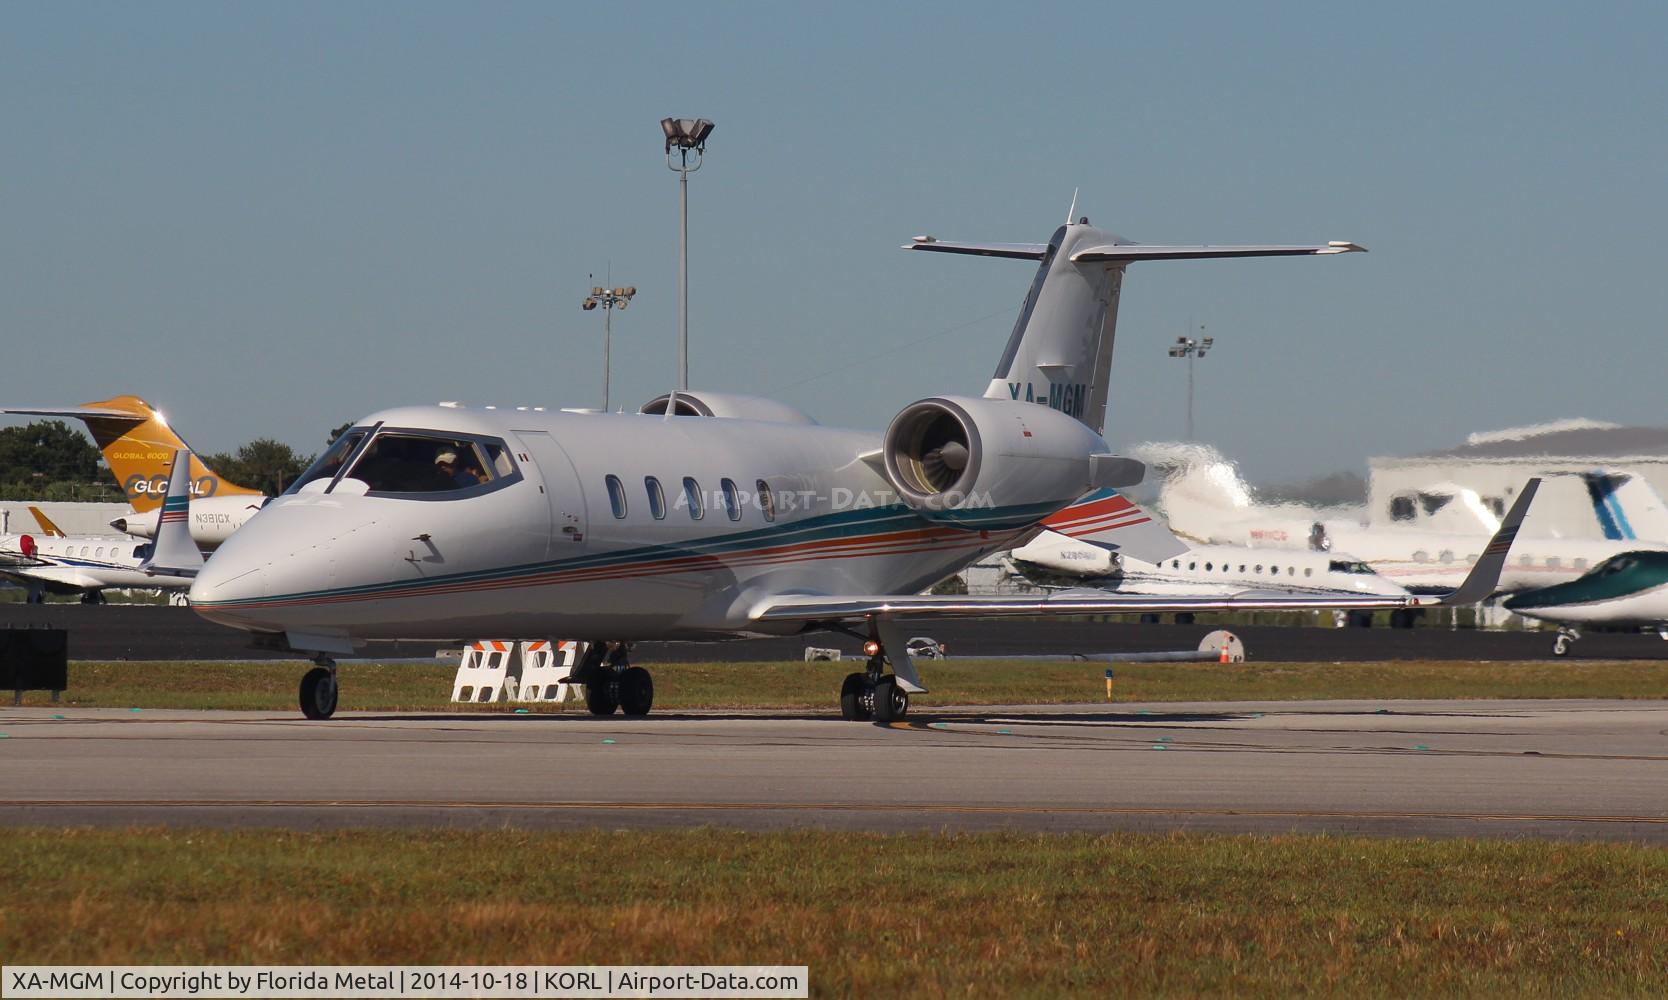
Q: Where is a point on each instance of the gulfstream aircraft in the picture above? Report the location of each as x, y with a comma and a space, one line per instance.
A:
712, 516
138, 445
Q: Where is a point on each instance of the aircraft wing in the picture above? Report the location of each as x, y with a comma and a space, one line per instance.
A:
1108, 519
1479, 583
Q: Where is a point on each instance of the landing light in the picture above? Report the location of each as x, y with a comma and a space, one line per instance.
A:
871, 648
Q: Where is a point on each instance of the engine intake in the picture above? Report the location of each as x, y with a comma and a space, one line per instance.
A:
933, 453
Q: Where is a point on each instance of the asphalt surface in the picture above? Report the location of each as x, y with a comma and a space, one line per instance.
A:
131, 632
1577, 769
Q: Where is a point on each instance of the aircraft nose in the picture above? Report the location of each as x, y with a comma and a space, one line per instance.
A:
225, 583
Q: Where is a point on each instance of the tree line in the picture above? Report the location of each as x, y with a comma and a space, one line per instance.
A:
50, 460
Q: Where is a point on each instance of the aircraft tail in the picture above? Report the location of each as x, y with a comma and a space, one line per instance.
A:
46, 523
1060, 352
1627, 507
139, 447
174, 553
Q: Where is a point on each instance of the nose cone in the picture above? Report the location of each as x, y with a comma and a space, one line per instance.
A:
227, 584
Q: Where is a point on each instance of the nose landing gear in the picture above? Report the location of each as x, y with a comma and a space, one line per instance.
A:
1566, 636
318, 690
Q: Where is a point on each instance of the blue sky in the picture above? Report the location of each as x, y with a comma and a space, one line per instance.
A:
271, 219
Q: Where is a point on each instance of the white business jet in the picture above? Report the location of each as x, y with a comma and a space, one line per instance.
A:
712, 516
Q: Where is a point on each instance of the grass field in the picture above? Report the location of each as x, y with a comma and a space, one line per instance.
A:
986, 914
271, 685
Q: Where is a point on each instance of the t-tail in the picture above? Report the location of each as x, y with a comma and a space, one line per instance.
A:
1060, 353
1627, 507
139, 447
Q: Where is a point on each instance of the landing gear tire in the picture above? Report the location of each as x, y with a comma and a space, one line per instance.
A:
318, 693
1561, 645
602, 697
856, 699
891, 701
636, 691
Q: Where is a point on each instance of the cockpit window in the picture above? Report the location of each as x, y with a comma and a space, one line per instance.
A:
1341, 566
328, 464
406, 462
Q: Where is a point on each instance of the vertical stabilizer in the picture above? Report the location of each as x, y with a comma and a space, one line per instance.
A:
138, 445
174, 553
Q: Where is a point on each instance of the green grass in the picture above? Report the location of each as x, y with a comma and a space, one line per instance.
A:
985, 914
271, 685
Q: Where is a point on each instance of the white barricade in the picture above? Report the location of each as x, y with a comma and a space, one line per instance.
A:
544, 664
487, 672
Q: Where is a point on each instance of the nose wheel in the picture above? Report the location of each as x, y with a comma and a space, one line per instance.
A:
1566, 638
318, 690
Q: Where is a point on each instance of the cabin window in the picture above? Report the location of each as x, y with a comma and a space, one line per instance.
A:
767, 502
616, 495
417, 462
99, 552
1259, 567
1209, 567
1421, 556
692, 498
1580, 564
657, 499
1402, 508
1192, 566
1274, 571
1526, 561
1175, 564
1242, 567
1308, 571
1552, 562
1445, 557
732, 499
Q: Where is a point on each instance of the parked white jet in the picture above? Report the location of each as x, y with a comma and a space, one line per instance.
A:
51, 562
1204, 499
732, 517
1202, 571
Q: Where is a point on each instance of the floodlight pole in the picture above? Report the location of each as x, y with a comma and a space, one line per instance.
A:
609, 299
686, 136
1192, 350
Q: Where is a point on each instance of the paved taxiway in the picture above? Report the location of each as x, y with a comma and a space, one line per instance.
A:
126, 632
1580, 769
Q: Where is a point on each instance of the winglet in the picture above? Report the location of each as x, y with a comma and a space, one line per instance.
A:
46, 524
1485, 575
174, 552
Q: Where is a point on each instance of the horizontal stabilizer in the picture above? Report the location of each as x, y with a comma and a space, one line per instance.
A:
1017, 251
1140, 251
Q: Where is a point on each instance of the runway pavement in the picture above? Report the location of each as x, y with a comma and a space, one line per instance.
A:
1561, 769
131, 632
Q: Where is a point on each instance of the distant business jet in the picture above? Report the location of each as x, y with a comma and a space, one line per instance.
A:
52, 562
711, 516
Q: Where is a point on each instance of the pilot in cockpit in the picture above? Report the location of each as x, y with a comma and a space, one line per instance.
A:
461, 474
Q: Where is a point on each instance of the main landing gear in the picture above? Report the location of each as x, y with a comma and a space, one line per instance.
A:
318, 690
873, 694
611, 682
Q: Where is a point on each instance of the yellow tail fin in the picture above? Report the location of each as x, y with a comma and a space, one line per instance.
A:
139, 447
46, 523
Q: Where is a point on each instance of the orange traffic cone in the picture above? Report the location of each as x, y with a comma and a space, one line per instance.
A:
1224, 658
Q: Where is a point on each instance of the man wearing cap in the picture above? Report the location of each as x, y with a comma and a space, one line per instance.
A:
447, 463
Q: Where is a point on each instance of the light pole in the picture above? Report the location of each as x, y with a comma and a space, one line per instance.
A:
609, 299
1187, 347
686, 135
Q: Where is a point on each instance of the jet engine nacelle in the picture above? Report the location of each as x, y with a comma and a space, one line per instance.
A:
213, 519
949, 457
